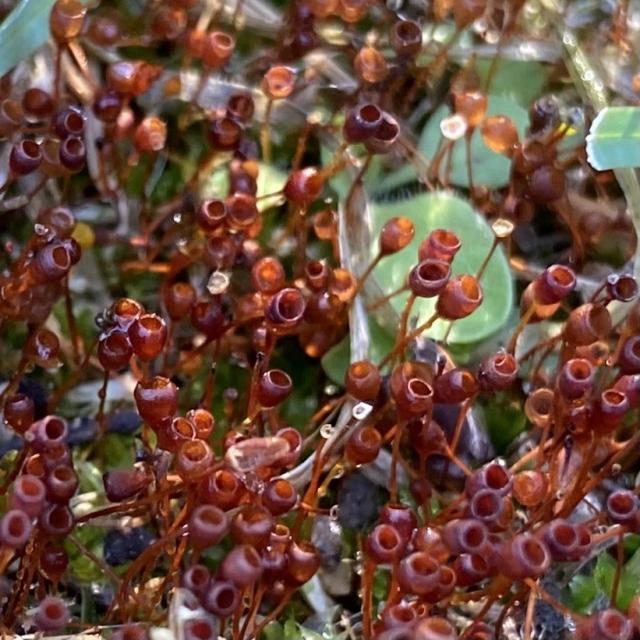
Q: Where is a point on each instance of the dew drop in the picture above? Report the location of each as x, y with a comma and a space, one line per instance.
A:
218, 283
326, 431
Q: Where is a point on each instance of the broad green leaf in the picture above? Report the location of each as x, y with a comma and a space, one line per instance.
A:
582, 593
436, 210
489, 169
270, 180
273, 631
338, 358
614, 139
629, 586
520, 80
23, 31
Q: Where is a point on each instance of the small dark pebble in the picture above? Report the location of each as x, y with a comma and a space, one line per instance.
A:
121, 547
124, 421
359, 501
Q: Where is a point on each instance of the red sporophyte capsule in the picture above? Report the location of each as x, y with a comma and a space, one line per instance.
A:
48, 433
274, 387
399, 615
629, 356
498, 372
440, 244
303, 561
609, 410
561, 538
52, 262
487, 505
114, 350
384, 544
242, 566
220, 253
217, 48
385, 135
107, 106
202, 421
66, 20
304, 186
208, 525
466, 536
147, 334
28, 495
429, 277
406, 38
197, 579
317, 274
150, 135
211, 214
124, 311
285, 309
622, 508
587, 324
418, 573
608, 624
454, 386
122, 484
279, 497
410, 389
622, 287
402, 518
538, 407
370, 65
364, 445
222, 598
279, 82
178, 299
267, 275
156, 399
240, 106
395, 235
72, 154
53, 561
530, 487
61, 484
492, 476
199, 628
252, 525
546, 184
524, 556
554, 284
168, 23
242, 211
19, 412
210, 318
15, 528
224, 133
25, 157
52, 614
472, 105
193, 459
129, 631
294, 440
500, 134
361, 123
461, 296
131, 77
37, 102
576, 378
434, 628
362, 380
222, 488
60, 220
56, 521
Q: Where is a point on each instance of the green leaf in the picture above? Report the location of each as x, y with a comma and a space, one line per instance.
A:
519, 80
442, 209
604, 574
23, 31
505, 420
614, 139
338, 358
582, 593
295, 631
488, 168
273, 631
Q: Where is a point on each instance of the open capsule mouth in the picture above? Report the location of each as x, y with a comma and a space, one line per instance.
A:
17, 525
196, 451
387, 131
423, 565
73, 124
151, 323
419, 389
615, 400
30, 488
387, 538
533, 553
580, 370
226, 482
370, 115
623, 287
402, 614
613, 624
486, 505
55, 429
599, 321
471, 289
474, 537
185, 430
59, 519
505, 364
496, 477
564, 535
445, 239
290, 305
409, 32
560, 277
30, 149
201, 629
622, 504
